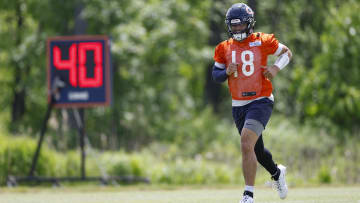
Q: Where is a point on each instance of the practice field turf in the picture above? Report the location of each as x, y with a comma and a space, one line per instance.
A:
184, 195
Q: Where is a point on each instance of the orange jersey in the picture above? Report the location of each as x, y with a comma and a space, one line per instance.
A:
250, 54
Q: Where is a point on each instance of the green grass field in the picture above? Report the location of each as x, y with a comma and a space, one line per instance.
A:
179, 195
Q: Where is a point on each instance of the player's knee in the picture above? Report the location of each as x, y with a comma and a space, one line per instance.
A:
246, 147
248, 140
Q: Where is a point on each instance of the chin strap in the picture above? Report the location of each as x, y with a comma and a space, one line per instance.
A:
240, 36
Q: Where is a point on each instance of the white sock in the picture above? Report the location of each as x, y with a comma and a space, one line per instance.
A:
249, 188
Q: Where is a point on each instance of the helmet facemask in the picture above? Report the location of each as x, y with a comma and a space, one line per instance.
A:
240, 34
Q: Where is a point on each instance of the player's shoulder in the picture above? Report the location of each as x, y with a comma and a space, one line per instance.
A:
265, 36
224, 44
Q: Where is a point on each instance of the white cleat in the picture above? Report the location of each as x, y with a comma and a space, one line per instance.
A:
280, 185
247, 199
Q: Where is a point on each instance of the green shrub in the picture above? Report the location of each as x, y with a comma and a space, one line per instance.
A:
72, 164
324, 175
190, 172
218, 161
125, 165
222, 175
122, 168
16, 156
137, 167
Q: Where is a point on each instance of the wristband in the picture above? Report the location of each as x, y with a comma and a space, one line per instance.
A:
282, 60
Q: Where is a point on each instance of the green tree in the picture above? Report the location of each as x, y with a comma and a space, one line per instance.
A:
332, 88
158, 51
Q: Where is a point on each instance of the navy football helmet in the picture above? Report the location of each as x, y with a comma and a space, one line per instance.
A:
239, 14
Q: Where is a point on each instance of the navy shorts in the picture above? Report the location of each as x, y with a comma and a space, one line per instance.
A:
259, 110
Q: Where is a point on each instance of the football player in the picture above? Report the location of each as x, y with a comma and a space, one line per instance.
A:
242, 61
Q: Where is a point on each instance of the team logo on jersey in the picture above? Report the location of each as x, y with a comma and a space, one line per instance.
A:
255, 44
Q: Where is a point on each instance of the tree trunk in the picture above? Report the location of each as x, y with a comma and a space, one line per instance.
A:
212, 89
80, 23
253, 6
18, 102
116, 137
275, 15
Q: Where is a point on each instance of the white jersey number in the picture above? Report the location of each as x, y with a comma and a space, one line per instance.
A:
245, 63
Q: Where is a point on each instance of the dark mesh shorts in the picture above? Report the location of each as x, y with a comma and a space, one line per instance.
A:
258, 111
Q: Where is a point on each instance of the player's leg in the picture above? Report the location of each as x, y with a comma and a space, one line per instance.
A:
261, 110
239, 114
250, 128
264, 157
249, 162
249, 136
277, 173
256, 118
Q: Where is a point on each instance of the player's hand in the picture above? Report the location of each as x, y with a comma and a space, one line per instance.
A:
270, 71
231, 68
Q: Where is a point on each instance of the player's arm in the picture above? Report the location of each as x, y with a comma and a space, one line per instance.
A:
284, 55
220, 73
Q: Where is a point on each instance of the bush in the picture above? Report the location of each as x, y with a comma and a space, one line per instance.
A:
16, 156
191, 172
311, 155
128, 165
72, 164
324, 175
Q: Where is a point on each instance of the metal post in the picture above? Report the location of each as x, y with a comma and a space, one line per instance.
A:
82, 144
42, 135
79, 117
54, 95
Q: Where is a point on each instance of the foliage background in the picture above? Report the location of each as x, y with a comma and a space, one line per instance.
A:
163, 94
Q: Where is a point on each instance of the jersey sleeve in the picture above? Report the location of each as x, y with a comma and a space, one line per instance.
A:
271, 44
219, 55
